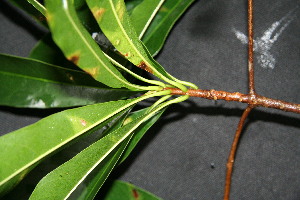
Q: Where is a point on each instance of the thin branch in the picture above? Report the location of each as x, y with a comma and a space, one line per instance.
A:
234, 145
250, 48
254, 100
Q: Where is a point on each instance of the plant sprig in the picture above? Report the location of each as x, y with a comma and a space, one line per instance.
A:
98, 73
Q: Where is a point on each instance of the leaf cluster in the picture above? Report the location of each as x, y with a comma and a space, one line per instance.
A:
90, 58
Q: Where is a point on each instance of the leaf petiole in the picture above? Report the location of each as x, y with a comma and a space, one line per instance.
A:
162, 99
192, 85
154, 82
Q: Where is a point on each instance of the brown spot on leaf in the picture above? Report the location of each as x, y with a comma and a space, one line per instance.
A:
135, 194
92, 71
98, 13
83, 122
127, 55
74, 58
144, 66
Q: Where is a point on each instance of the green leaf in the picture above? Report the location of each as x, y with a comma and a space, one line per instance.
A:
86, 17
63, 181
29, 9
92, 185
139, 133
94, 181
24, 148
126, 191
30, 83
162, 23
46, 50
143, 14
115, 23
79, 47
131, 4
102, 172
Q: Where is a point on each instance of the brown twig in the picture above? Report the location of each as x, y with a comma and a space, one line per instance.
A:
253, 96
250, 48
254, 100
231, 157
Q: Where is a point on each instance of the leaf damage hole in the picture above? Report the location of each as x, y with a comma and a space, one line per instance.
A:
145, 67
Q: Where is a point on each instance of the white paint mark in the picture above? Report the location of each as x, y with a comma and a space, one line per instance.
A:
263, 45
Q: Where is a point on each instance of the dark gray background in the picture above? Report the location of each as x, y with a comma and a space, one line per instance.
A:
174, 159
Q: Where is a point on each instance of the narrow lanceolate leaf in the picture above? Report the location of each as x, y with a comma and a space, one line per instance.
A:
94, 183
143, 14
162, 23
63, 181
126, 191
79, 47
115, 23
140, 132
23, 149
34, 84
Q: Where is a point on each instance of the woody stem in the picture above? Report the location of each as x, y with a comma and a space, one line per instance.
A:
231, 158
254, 100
